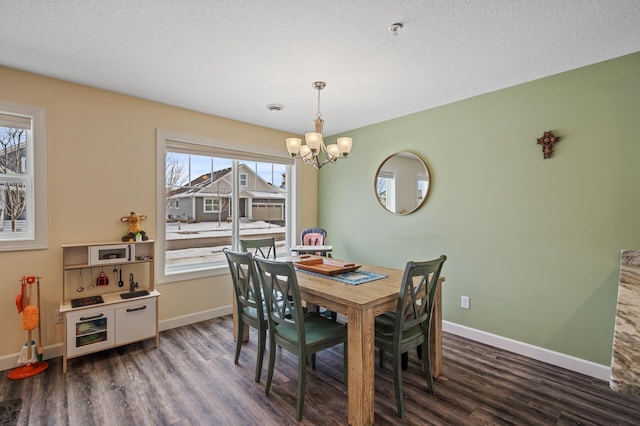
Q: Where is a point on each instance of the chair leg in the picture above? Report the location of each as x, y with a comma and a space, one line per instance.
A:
405, 360
426, 362
262, 337
239, 340
405, 357
302, 382
397, 381
272, 361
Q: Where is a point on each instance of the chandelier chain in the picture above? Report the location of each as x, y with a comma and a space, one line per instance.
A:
319, 114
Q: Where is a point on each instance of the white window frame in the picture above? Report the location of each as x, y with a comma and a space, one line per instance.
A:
223, 149
215, 204
37, 234
243, 180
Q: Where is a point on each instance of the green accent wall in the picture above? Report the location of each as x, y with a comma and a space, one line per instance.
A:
534, 243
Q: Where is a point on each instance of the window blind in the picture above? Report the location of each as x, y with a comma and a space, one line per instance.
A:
15, 121
225, 152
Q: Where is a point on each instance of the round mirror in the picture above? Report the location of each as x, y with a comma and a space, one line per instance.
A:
402, 183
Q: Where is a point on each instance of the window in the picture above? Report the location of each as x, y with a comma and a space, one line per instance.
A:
386, 188
23, 178
422, 188
224, 195
211, 205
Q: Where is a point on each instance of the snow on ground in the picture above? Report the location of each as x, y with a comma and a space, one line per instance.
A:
178, 230
213, 229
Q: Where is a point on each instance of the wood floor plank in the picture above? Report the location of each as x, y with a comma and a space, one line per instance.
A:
191, 379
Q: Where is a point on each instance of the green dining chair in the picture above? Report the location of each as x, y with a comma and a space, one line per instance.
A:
265, 247
409, 326
290, 327
249, 301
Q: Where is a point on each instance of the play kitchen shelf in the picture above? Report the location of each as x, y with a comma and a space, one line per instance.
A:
100, 307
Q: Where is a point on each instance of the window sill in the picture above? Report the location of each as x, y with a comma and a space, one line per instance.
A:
186, 273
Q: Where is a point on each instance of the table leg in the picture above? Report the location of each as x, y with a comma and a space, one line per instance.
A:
361, 390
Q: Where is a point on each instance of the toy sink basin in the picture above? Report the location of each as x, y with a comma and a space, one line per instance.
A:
134, 294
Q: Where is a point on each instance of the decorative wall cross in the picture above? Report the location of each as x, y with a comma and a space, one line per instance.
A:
547, 140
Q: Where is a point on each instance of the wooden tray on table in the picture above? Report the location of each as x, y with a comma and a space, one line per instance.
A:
326, 266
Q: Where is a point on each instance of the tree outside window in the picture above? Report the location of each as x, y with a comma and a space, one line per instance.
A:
23, 177
13, 151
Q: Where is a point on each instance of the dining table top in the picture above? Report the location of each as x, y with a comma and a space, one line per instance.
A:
378, 292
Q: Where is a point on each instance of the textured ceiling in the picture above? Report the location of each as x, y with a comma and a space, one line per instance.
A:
231, 58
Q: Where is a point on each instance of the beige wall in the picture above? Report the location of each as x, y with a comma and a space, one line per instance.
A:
101, 166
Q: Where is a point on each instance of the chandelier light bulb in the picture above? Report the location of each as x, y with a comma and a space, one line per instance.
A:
344, 144
333, 150
305, 152
293, 145
314, 139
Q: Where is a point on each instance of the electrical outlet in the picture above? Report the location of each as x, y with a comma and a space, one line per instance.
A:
464, 302
57, 317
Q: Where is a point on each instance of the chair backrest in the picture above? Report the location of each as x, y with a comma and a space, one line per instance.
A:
281, 296
416, 296
313, 237
245, 281
265, 247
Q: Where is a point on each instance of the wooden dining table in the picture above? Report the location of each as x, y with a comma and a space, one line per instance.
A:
360, 304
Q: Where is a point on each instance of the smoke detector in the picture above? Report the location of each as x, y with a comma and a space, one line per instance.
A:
395, 28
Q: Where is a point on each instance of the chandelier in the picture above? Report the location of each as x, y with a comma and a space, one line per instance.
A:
314, 151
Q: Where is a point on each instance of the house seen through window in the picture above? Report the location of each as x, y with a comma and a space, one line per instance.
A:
205, 191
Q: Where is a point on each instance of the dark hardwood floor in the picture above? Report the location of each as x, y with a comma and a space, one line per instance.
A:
191, 380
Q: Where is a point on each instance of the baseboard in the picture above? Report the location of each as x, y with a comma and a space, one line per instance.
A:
9, 362
598, 371
568, 362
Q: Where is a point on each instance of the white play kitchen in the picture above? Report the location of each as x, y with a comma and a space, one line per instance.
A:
109, 296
